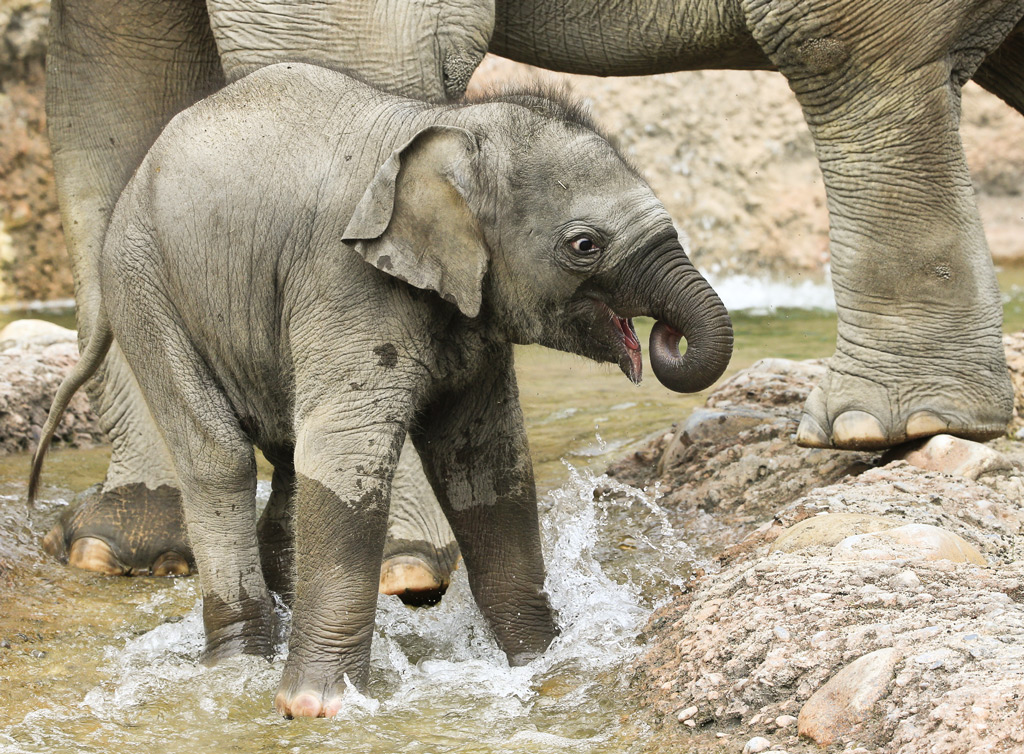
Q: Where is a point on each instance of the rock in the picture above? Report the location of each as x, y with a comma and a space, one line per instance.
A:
32, 364
754, 638
756, 745
849, 697
906, 580
911, 542
784, 721
779, 384
36, 331
708, 427
954, 455
686, 714
736, 458
828, 530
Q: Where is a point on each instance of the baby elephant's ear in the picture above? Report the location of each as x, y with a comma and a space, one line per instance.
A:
413, 222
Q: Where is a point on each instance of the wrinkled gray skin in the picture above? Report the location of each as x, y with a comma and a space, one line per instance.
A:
314, 267
919, 349
117, 71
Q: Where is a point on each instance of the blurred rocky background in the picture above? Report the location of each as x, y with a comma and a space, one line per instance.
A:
726, 151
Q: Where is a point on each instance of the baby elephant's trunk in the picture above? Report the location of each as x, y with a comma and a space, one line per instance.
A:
664, 284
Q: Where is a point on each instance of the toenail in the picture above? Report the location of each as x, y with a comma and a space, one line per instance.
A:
810, 435
171, 564
305, 705
858, 429
408, 574
924, 424
91, 554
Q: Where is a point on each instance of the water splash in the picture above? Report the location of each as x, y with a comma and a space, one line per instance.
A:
438, 680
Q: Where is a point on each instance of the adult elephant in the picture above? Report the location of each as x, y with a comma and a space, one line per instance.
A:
919, 349
117, 72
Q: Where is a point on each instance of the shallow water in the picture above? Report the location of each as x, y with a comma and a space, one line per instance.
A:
93, 664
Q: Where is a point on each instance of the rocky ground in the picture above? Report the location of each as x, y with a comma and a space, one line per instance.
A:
34, 357
863, 602
726, 151
33, 261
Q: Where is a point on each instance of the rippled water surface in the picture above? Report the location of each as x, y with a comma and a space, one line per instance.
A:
93, 664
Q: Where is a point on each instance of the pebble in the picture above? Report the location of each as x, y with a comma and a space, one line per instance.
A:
954, 455
756, 745
784, 721
906, 580
849, 697
686, 714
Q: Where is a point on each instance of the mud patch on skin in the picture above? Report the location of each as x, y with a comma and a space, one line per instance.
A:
387, 355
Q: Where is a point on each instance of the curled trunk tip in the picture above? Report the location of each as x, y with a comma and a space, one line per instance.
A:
707, 355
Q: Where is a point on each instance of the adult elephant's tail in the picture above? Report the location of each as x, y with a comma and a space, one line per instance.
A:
92, 357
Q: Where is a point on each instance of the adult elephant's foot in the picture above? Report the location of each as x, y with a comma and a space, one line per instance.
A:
131, 530
418, 572
870, 409
420, 553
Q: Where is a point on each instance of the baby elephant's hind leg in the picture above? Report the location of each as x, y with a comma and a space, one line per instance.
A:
217, 472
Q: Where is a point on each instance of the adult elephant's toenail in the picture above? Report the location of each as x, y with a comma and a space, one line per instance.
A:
925, 424
810, 435
92, 554
171, 564
55, 545
859, 429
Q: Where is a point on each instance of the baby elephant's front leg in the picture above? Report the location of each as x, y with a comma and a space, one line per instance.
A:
343, 480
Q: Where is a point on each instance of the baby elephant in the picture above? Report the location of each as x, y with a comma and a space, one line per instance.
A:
305, 264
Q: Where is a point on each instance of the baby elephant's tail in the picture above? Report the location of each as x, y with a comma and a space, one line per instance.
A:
99, 344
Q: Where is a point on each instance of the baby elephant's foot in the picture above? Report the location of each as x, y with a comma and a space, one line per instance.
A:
857, 413
309, 695
127, 531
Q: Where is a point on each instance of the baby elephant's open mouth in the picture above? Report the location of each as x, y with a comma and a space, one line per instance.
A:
628, 353
634, 367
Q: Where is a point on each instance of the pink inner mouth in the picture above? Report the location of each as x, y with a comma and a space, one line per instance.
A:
628, 333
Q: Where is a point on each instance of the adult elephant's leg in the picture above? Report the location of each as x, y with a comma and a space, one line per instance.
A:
117, 71
420, 553
919, 348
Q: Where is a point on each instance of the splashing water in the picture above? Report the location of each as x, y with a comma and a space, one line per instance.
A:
438, 681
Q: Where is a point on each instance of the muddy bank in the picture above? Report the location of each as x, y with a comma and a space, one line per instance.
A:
867, 601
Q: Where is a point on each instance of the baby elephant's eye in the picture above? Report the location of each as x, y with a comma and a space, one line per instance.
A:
584, 245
